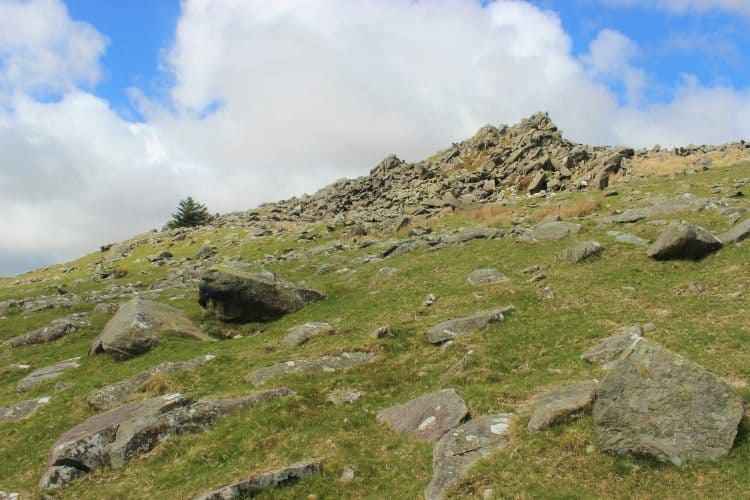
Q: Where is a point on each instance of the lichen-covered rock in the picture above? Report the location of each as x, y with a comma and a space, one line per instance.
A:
114, 395
231, 295
46, 373
22, 409
451, 328
459, 448
55, 330
301, 334
681, 240
613, 346
655, 402
249, 488
555, 230
582, 251
428, 417
485, 277
562, 404
137, 326
326, 364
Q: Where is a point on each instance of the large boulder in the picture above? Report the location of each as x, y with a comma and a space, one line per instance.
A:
114, 395
55, 330
46, 373
681, 240
137, 326
228, 294
451, 328
113, 438
655, 402
325, 364
250, 487
428, 417
459, 448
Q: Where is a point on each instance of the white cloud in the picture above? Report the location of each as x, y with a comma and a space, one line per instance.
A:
683, 6
307, 92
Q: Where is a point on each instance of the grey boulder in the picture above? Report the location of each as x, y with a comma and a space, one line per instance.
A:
737, 233
555, 230
137, 326
47, 373
22, 409
55, 330
459, 448
565, 403
681, 240
428, 417
582, 251
229, 294
451, 328
613, 346
305, 332
658, 403
485, 277
249, 488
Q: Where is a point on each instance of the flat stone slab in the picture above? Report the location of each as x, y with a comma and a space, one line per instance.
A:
55, 330
658, 403
555, 230
301, 334
22, 409
113, 438
737, 233
326, 364
563, 404
249, 488
137, 326
478, 233
613, 346
660, 207
428, 417
628, 238
486, 277
582, 251
459, 448
114, 395
347, 397
47, 373
451, 328
681, 240
229, 294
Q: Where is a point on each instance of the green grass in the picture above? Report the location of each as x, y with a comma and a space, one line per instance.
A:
535, 348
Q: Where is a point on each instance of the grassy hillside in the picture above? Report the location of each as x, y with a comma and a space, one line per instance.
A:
694, 305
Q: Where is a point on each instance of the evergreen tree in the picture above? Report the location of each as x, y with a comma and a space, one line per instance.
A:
189, 213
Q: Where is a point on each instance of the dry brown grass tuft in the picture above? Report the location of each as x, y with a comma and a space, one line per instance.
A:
158, 384
577, 208
492, 214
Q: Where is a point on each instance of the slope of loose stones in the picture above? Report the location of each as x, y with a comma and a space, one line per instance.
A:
249, 488
459, 448
428, 417
326, 364
451, 328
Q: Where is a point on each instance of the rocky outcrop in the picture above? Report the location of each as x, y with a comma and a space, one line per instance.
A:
683, 241
249, 488
459, 448
22, 409
582, 251
47, 373
655, 402
562, 404
326, 364
55, 330
428, 417
114, 395
452, 328
137, 326
113, 438
229, 294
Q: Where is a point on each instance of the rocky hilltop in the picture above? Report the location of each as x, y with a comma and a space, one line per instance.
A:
514, 316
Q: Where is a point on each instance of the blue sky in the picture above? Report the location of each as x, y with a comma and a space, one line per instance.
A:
112, 111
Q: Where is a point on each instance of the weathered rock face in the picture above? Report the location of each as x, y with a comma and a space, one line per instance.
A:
485, 277
113, 438
47, 373
55, 330
613, 346
249, 488
582, 251
428, 417
325, 364
231, 295
555, 230
137, 326
658, 403
737, 233
563, 404
459, 448
303, 333
449, 329
114, 395
683, 241
22, 409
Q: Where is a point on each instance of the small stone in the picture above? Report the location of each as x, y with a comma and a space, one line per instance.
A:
582, 251
349, 397
429, 300
486, 277
382, 332
347, 475
449, 329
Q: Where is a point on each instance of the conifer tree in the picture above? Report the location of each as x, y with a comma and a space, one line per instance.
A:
189, 213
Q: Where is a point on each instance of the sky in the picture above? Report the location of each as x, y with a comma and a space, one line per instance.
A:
111, 112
